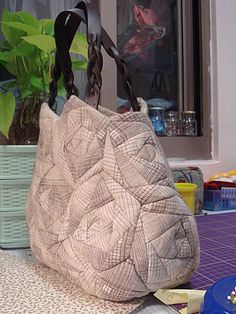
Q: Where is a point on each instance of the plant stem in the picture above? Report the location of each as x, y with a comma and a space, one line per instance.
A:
24, 65
43, 71
17, 75
50, 65
17, 67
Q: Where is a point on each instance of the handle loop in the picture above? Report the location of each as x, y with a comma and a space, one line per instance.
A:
66, 25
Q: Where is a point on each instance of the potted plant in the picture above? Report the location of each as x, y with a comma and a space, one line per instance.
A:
27, 52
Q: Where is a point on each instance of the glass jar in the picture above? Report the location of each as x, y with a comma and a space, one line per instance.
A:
172, 123
156, 115
189, 123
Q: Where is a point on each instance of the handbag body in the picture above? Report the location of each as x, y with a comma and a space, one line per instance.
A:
102, 207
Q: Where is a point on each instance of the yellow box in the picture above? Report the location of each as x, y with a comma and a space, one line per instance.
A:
187, 191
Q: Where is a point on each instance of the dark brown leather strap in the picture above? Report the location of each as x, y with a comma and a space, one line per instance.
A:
66, 26
93, 21
112, 51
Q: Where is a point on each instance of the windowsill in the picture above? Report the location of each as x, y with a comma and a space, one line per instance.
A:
208, 167
181, 162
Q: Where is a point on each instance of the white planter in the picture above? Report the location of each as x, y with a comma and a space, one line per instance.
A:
16, 167
17, 161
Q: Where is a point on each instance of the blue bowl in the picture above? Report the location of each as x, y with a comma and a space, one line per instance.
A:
215, 300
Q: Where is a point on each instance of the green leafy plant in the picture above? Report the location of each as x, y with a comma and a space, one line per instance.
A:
28, 53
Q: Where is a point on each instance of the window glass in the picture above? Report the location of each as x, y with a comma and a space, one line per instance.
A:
190, 23
147, 41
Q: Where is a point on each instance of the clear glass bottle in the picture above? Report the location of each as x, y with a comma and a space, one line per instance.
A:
172, 123
189, 123
156, 115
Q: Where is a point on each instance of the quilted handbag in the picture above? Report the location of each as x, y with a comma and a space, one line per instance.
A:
102, 207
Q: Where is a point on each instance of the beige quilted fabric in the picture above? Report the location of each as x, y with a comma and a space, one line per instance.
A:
102, 207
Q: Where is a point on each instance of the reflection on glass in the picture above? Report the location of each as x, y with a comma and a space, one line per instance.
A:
147, 42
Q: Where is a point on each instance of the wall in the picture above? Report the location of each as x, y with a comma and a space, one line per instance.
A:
223, 90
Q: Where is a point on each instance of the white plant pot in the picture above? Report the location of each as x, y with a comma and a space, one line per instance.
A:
16, 167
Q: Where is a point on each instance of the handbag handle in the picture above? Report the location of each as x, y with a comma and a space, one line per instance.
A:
64, 34
66, 25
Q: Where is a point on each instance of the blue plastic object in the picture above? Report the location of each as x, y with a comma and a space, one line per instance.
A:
219, 199
215, 300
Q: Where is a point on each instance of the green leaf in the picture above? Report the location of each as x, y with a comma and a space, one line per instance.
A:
80, 45
12, 36
38, 82
28, 19
47, 26
7, 109
26, 93
79, 64
24, 85
6, 56
23, 49
11, 67
29, 30
43, 42
5, 45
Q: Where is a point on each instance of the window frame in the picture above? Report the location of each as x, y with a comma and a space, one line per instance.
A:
175, 148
